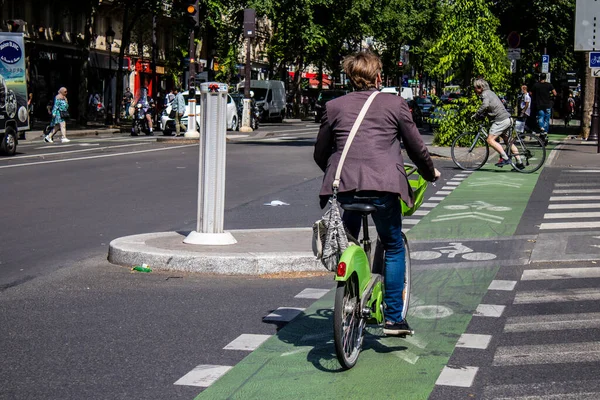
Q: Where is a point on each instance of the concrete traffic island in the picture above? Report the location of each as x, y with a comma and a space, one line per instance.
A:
257, 252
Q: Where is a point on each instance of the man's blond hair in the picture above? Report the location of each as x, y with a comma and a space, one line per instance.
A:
362, 69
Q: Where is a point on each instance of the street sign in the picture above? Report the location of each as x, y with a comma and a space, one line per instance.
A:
595, 72
513, 66
595, 59
586, 14
545, 63
514, 54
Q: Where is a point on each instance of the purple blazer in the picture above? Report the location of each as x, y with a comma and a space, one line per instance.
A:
374, 161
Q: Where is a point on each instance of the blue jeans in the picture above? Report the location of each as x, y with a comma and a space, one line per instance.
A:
388, 221
543, 118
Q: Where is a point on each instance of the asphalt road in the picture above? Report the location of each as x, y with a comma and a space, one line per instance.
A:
73, 326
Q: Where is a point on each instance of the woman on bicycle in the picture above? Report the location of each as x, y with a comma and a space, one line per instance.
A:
493, 108
373, 171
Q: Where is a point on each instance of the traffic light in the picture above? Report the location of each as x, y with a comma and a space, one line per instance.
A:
400, 64
191, 13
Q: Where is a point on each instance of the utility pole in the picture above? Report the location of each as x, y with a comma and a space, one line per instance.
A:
249, 33
193, 22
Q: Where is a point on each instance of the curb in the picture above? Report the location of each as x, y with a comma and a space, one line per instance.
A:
145, 248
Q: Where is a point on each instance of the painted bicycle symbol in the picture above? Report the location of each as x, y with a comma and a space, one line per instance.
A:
452, 250
477, 205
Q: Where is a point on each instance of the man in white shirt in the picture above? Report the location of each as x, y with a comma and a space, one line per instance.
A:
525, 105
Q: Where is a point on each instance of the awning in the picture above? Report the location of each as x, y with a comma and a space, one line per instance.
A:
308, 75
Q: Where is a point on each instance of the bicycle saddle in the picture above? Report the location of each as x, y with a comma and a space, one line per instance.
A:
364, 208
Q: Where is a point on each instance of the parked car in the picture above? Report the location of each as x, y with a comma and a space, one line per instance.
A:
323, 98
416, 112
167, 125
426, 105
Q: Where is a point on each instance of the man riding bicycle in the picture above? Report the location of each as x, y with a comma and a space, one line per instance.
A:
493, 108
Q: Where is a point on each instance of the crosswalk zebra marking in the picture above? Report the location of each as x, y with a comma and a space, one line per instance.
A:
311, 293
560, 273
586, 390
203, 375
284, 314
557, 322
570, 225
585, 214
569, 191
573, 198
547, 354
502, 285
457, 376
247, 342
489, 310
474, 341
553, 296
573, 205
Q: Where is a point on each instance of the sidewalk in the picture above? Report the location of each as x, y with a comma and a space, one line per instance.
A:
73, 130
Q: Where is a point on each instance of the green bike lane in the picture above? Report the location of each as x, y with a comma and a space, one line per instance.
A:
299, 362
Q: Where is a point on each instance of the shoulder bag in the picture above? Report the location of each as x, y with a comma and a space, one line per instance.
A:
330, 238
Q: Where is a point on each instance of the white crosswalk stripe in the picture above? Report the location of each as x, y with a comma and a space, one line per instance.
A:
579, 198
536, 338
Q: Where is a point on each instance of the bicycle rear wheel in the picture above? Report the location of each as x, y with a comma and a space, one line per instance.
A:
531, 151
468, 153
348, 324
406, 291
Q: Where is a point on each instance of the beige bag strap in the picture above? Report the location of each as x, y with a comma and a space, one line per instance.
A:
359, 119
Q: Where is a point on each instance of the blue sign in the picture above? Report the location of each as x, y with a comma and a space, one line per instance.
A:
10, 52
594, 59
545, 59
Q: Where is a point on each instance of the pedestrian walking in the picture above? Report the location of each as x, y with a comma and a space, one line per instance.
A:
127, 99
60, 113
543, 104
30, 108
177, 110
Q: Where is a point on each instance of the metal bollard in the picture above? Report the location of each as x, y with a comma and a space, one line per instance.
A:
211, 168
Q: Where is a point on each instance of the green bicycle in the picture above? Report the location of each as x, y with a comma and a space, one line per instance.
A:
360, 282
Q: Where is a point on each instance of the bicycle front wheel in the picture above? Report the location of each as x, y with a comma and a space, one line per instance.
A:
348, 324
531, 154
406, 291
469, 152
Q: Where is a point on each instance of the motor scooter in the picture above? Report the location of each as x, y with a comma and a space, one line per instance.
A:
140, 123
255, 115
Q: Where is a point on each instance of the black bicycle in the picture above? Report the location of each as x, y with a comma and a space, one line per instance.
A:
470, 150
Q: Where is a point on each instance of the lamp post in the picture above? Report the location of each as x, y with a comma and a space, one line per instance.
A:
110, 37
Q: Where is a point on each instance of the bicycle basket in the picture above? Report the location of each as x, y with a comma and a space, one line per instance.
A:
418, 185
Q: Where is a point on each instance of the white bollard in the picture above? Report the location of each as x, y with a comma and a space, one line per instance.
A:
192, 132
211, 168
246, 117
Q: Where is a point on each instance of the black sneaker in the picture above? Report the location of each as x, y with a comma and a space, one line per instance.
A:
397, 329
502, 163
519, 166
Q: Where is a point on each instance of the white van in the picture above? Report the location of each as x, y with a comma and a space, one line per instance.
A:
269, 94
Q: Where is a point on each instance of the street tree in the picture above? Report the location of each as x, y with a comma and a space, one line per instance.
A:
468, 47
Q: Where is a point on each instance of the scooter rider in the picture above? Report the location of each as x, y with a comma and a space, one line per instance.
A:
147, 107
